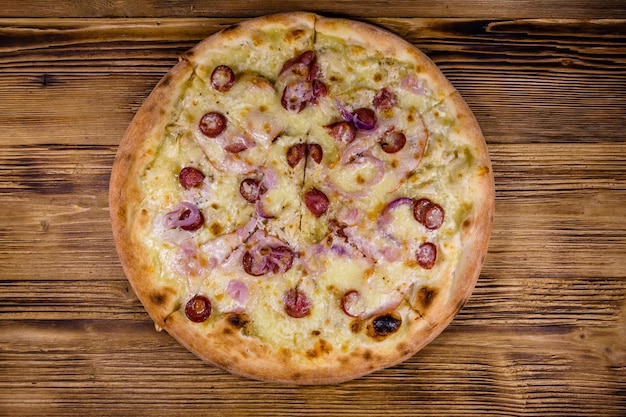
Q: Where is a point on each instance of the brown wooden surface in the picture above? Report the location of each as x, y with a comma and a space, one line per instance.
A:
544, 332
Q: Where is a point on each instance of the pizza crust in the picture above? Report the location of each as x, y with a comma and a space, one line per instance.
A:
137, 150
227, 345
389, 45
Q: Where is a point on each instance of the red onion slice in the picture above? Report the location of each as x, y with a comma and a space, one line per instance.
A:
368, 157
344, 112
385, 215
238, 291
267, 255
177, 217
260, 210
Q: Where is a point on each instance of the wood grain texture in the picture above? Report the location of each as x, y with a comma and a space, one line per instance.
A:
581, 9
544, 332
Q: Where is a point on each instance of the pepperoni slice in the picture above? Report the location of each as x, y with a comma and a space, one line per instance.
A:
350, 304
343, 132
433, 216
426, 255
319, 89
255, 263
193, 219
198, 309
314, 70
419, 208
296, 96
236, 147
222, 78
316, 201
190, 177
392, 141
212, 124
295, 153
251, 189
364, 119
300, 65
384, 99
296, 303
315, 151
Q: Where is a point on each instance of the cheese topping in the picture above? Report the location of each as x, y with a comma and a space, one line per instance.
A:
347, 247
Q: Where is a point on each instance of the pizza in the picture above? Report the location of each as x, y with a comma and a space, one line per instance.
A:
302, 199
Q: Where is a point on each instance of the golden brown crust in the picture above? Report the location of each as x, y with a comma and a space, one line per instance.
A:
476, 228
387, 44
295, 26
136, 150
224, 340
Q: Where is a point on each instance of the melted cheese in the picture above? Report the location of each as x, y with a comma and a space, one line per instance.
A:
381, 267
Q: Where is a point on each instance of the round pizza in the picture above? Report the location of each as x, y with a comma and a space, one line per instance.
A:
303, 199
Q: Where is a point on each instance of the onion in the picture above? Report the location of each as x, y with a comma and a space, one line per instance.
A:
385, 219
269, 181
172, 219
260, 210
349, 216
380, 168
268, 254
238, 291
345, 113
413, 84
395, 204
270, 178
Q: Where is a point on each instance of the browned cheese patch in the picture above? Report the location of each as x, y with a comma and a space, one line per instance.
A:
321, 347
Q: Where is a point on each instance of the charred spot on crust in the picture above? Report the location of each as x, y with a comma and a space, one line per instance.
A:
295, 35
403, 348
158, 298
466, 223
237, 320
382, 326
316, 333
285, 354
367, 355
166, 80
320, 347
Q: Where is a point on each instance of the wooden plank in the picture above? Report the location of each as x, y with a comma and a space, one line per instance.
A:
148, 373
351, 8
105, 68
62, 192
542, 334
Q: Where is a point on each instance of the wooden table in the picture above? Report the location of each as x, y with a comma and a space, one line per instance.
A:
544, 332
